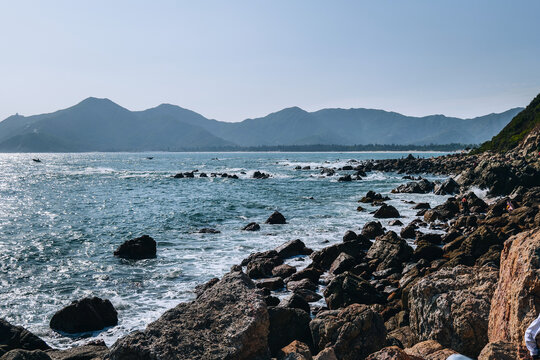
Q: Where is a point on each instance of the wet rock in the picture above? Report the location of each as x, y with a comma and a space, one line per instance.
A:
372, 229
328, 172
292, 248
395, 223
345, 178
88, 314
16, 337
276, 218
209, 231
295, 301
287, 325
274, 283
421, 206
349, 236
372, 197
296, 350
386, 211
311, 273
347, 288
271, 301
230, 320
283, 271
448, 187
179, 176
343, 262
513, 306
389, 251
20, 354
415, 187
260, 175
452, 306
409, 231
252, 226
143, 247
392, 353
353, 332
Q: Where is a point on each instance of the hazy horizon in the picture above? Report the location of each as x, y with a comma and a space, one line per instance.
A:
238, 60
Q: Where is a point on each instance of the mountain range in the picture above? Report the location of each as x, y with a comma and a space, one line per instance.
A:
101, 125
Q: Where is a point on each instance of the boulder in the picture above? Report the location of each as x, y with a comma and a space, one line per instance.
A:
502, 350
301, 284
345, 178
349, 236
311, 273
283, 271
274, 283
343, 262
93, 351
430, 350
372, 197
292, 248
372, 229
88, 314
447, 187
20, 354
389, 251
325, 257
513, 306
276, 218
295, 301
228, 321
252, 226
260, 175
421, 206
346, 289
287, 325
16, 337
386, 211
296, 350
143, 247
415, 187
353, 333
452, 306
326, 354
392, 353
201, 288
427, 251
308, 295
409, 231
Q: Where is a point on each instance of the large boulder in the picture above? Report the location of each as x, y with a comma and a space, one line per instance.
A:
389, 251
386, 211
296, 350
452, 307
143, 247
372, 229
292, 248
252, 226
17, 337
92, 351
502, 350
415, 187
346, 289
447, 187
228, 321
276, 218
287, 325
353, 332
325, 257
513, 306
430, 350
392, 353
20, 354
88, 314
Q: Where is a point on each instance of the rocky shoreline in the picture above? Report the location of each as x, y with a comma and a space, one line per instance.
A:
470, 290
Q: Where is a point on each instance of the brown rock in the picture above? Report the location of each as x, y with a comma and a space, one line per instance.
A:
502, 350
389, 251
430, 350
392, 353
513, 305
326, 354
86, 352
296, 350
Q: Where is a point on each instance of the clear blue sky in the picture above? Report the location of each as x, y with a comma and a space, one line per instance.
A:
231, 60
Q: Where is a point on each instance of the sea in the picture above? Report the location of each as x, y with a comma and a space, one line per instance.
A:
62, 218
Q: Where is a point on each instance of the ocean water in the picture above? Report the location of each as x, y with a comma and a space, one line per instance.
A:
61, 220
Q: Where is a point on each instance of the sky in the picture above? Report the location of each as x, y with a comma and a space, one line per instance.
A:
232, 60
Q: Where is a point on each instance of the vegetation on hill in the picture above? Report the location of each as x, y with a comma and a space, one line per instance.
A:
513, 133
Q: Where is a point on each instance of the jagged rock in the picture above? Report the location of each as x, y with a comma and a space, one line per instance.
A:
276, 218
20, 354
346, 289
201, 288
389, 251
287, 325
301, 284
88, 314
431, 238
143, 247
94, 351
452, 306
311, 273
16, 337
404, 335
308, 295
448, 187
415, 187
295, 301
262, 264
292, 248
386, 211
502, 350
229, 320
392, 353
274, 283
353, 332
260, 175
409, 231
283, 271
325, 257
343, 262
430, 350
372, 197
296, 350
427, 251
326, 354
252, 226
513, 306
372, 229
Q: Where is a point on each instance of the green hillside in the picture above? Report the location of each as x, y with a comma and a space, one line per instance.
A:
512, 134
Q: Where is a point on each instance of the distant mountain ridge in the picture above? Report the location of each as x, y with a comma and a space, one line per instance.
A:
102, 125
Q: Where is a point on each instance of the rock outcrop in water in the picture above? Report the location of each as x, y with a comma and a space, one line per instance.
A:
228, 321
16, 337
88, 314
276, 218
143, 247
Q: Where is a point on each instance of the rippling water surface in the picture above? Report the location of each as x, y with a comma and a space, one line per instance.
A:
61, 220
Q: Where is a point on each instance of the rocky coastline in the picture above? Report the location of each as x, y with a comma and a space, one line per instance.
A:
470, 289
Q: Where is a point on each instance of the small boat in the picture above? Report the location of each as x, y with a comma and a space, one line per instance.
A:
150, 157
36, 160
